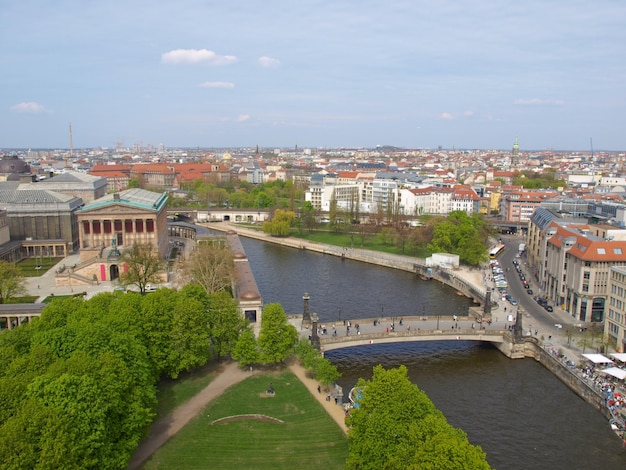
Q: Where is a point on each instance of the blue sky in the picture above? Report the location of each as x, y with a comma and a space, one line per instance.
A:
279, 73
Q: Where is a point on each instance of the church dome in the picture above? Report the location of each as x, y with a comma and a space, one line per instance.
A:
12, 164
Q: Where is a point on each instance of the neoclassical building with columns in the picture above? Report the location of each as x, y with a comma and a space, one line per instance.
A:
115, 222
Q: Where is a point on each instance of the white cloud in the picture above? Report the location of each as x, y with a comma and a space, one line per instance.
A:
268, 62
31, 107
538, 101
243, 117
196, 56
217, 85
446, 116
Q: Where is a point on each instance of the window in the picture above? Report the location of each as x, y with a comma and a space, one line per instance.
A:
585, 287
587, 264
617, 251
601, 251
586, 275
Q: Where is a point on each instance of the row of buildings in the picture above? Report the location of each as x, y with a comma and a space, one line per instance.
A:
581, 267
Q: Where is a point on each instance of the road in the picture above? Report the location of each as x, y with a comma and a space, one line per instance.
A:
535, 316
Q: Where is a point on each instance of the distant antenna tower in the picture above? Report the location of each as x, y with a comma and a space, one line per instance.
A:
591, 142
71, 142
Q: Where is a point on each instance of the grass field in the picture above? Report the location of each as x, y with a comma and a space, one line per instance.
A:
172, 393
308, 439
372, 242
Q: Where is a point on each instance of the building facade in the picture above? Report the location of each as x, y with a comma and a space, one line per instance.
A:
116, 222
615, 323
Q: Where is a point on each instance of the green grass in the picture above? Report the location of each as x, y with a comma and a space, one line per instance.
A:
173, 393
26, 299
309, 439
51, 298
28, 266
372, 242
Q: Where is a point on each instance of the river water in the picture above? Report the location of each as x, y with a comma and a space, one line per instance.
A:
519, 413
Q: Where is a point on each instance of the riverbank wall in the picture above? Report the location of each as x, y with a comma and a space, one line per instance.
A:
534, 348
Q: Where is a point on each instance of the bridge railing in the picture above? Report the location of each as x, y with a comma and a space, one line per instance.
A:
478, 334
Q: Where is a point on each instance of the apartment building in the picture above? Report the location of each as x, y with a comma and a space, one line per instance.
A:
577, 270
519, 206
615, 322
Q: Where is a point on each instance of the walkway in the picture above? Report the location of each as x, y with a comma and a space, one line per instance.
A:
165, 428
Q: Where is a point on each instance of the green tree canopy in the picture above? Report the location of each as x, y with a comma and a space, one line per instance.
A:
277, 337
463, 235
396, 426
280, 225
11, 281
246, 351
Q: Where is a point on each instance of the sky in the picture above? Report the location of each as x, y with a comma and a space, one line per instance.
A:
312, 73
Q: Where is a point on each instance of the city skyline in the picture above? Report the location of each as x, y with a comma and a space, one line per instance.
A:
468, 74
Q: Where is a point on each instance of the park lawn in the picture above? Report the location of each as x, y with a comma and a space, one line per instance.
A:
308, 439
28, 266
372, 242
172, 393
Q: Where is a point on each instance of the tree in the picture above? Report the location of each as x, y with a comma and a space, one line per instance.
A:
307, 215
277, 337
246, 351
144, 264
226, 323
280, 224
396, 426
325, 371
211, 266
11, 281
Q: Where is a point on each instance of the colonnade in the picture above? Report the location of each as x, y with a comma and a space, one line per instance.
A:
99, 232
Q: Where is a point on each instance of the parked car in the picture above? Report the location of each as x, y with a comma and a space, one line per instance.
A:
513, 302
548, 308
529, 291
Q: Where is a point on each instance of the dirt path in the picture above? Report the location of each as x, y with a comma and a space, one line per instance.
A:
230, 374
335, 411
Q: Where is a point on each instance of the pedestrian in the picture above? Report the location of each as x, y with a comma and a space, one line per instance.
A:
38, 287
319, 389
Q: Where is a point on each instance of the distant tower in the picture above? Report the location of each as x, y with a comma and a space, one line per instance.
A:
71, 142
515, 155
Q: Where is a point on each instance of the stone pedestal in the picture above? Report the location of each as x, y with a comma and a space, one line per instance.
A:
306, 314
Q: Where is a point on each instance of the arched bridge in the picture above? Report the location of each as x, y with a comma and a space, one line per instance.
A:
337, 335
329, 342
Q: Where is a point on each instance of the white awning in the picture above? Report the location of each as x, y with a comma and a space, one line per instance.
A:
597, 358
615, 372
619, 356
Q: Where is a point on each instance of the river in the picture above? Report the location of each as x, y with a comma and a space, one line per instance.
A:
519, 413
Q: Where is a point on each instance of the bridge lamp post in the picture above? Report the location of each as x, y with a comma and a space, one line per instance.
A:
438, 321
